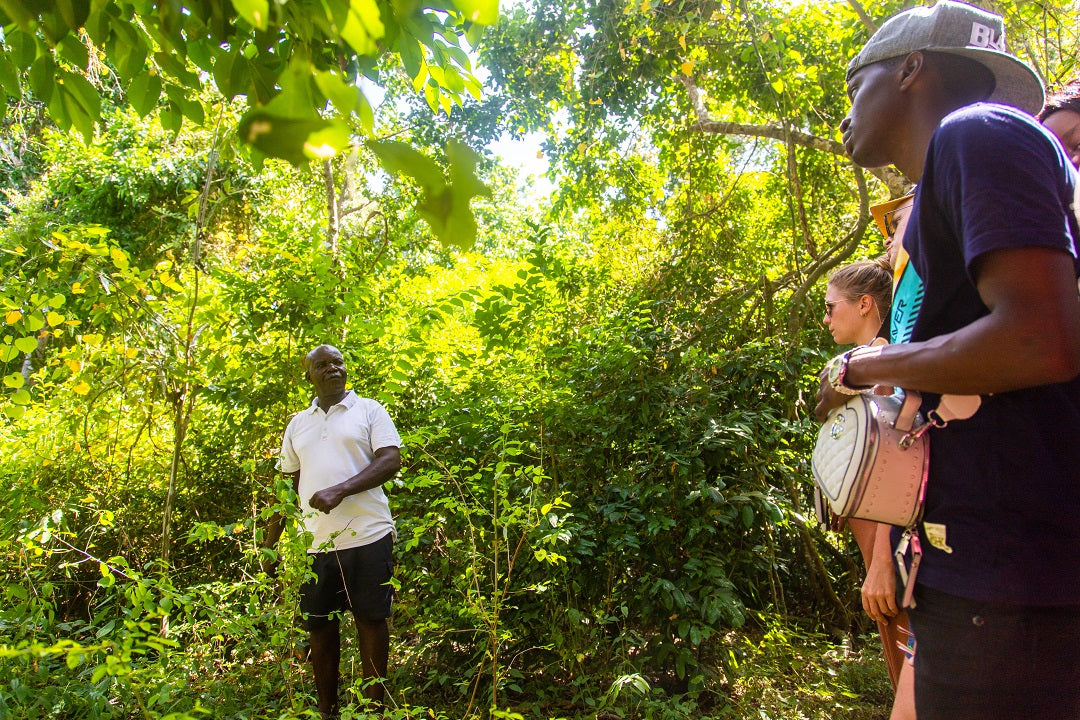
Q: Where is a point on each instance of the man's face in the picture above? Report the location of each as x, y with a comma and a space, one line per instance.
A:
326, 370
870, 124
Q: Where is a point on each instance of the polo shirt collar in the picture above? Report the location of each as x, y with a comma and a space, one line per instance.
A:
348, 401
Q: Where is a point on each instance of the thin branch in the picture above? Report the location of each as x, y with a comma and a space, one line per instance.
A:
894, 181
867, 21
838, 253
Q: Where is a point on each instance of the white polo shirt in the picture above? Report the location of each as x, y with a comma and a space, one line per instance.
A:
330, 447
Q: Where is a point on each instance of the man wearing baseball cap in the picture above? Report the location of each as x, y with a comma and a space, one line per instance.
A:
993, 239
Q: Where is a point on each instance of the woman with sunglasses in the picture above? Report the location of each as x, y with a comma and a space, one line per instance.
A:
857, 302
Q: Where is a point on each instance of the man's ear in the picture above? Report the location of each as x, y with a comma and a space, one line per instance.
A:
911, 69
307, 375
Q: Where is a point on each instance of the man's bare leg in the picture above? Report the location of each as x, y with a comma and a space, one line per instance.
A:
325, 659
374, 641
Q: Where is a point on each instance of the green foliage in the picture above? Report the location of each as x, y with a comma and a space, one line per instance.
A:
604, 399
286, 58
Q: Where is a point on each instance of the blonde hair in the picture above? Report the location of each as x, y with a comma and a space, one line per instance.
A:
866, 277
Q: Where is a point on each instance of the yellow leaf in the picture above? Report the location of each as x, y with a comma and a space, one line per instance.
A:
54, 318
131, 352
82, 388
13, 317
687, 67
77, 288
644, 5
682, 42
74, 365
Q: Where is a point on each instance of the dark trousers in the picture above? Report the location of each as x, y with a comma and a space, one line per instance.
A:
989, 661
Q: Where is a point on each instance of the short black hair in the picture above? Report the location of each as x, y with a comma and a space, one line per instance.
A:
1068, 98
965, 79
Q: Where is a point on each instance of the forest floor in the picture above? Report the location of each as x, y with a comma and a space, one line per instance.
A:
779, 675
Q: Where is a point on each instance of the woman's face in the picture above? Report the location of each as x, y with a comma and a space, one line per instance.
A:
1066, 125
843, 317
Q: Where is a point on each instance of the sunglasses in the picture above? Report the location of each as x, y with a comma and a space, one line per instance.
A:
830, 306
892, 218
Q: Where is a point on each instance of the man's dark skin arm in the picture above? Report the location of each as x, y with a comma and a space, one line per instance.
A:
1030, 337
382, 467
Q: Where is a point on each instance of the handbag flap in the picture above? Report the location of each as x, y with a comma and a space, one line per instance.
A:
839, 454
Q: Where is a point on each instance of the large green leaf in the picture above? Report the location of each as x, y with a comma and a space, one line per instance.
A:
445, 204
296, 99
402, 159
296, 140
256, 12
483, 12
144, 92
363, 26
24, 48
74, 13
42, 77
73, 51
9, 78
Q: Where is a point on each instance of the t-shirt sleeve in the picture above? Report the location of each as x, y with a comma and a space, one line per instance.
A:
288, 460
1001, 180
383, 432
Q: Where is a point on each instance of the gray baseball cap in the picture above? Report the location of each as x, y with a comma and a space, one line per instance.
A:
957, 28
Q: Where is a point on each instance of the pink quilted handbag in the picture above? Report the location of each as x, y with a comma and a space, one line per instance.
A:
868, 462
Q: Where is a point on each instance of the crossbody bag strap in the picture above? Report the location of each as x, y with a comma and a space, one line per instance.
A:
905, 420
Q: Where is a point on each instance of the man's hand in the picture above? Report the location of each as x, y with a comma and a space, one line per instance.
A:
327, 499
827, 398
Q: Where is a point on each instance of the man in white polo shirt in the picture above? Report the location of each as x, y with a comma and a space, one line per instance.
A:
339, 452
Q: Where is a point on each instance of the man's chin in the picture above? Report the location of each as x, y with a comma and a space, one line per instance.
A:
867, 159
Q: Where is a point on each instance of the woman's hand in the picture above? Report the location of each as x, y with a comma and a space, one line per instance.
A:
879, 589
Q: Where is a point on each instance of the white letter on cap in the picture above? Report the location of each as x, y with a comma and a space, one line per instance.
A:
983, 37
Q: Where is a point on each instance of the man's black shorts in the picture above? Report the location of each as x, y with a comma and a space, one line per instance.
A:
356, 579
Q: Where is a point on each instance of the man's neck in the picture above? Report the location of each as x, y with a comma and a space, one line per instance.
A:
912, 158
328, 401
922, 124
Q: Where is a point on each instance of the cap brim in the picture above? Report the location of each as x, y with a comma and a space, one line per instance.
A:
880, 210
1015, 84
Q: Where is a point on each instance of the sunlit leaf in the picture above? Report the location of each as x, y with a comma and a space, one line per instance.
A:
144, 91
26, 344
256, 12
296, 140
399, 158
363, 26
483, 12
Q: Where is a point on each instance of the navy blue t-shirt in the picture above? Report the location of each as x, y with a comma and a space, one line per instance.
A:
1002, 520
